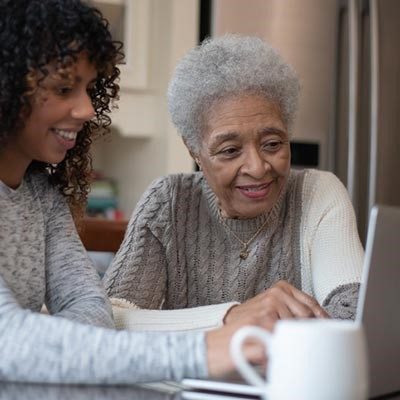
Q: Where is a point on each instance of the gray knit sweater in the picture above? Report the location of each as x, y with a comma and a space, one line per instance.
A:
177, 254
43, 261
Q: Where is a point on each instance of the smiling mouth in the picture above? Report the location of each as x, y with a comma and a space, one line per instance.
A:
66, 134
255, 192
254, 188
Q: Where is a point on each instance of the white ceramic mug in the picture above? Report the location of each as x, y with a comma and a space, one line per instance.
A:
310, 359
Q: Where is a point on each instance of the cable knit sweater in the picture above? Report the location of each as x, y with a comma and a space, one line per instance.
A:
176, 253
42, 260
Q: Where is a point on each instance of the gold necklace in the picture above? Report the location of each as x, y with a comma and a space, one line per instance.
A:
245, 244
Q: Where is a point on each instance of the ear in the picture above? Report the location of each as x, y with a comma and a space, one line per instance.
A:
196, 159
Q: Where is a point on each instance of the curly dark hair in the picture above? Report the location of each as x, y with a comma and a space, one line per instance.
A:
34, 33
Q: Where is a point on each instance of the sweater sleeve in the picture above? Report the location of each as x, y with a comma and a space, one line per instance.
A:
41, 348
73, 287
332, 252
138, 272
129, 316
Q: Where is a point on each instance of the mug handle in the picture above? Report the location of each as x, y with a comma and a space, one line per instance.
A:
243, 366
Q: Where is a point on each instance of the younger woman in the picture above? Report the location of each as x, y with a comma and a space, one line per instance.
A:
57, 82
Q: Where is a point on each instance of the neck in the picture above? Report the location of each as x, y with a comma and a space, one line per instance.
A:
12, 170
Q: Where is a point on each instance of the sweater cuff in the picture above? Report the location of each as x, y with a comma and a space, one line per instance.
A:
189, 319
342, 302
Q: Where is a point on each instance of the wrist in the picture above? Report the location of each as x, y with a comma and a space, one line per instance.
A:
228, 315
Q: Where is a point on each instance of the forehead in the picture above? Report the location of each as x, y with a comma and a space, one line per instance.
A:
240, 115
79, 69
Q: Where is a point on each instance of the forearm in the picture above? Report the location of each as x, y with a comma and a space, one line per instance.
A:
41, 348
94, 311
199, 318
74, 291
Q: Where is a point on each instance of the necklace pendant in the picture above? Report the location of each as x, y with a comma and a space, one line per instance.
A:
244, 254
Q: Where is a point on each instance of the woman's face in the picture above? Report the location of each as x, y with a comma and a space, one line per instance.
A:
60, 107
245, 155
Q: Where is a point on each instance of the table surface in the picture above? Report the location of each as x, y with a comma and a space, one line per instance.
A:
156, 391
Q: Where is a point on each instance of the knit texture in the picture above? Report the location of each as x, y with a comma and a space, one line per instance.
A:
176, 253
42, 260
18, 391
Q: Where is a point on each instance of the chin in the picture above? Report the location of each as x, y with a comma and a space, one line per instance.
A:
55, 159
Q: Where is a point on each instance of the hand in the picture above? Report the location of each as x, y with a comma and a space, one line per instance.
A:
218, 354
281, 301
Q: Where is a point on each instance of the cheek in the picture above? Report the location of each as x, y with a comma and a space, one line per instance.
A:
40, 111
219, 178
223, 174
39, 100
282, 163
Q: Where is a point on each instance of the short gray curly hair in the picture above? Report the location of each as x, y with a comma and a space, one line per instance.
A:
225, 66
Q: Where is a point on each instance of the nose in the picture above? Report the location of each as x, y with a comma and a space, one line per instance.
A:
82, 108
254, 164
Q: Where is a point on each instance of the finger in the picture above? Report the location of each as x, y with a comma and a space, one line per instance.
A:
268, 321
285, 312
282, 296
297, 308
303, 298
310, 302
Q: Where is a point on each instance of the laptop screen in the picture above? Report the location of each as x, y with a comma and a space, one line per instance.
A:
378, 306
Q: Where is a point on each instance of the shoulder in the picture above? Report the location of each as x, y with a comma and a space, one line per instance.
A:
178, 180
169, 186
324, 195
321, 178
50, 200
309, 183
323, 186
165, 194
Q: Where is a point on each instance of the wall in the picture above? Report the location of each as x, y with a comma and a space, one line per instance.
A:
302, 31
144, 144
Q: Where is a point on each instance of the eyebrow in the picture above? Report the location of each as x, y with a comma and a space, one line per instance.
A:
78, 79
225, 136
272, 131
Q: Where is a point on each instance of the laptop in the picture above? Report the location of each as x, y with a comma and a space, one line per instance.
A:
378, 309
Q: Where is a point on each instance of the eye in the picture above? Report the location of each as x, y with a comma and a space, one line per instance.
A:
272, 145
229, 152
64, 90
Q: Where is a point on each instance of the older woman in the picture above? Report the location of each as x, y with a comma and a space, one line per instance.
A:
245, 235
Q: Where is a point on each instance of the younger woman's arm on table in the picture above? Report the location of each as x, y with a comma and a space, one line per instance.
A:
41, 348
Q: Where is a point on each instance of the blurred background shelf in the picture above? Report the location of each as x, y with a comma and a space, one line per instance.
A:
99, 234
